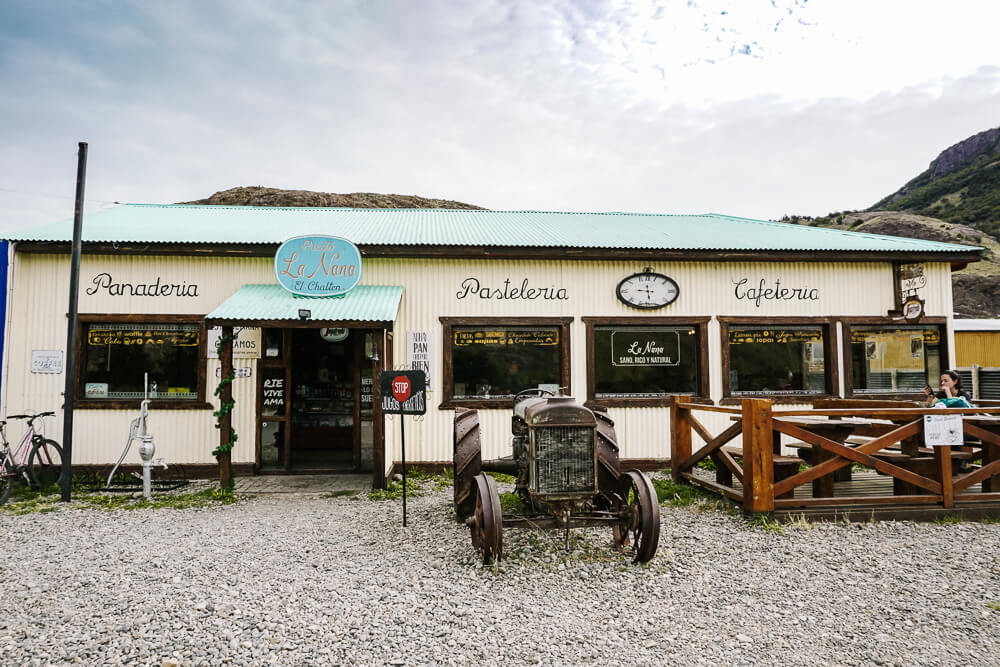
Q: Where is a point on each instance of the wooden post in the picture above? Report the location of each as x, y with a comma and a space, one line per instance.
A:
758, 466
943, 456
225, 396
680, 435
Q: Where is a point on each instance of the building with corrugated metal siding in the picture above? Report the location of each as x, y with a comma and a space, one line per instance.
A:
977, 355
623, 310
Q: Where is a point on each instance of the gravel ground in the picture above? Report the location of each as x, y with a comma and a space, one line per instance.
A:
338, 580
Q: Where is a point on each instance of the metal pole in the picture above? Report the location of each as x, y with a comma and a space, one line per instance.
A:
74, 288
402, 447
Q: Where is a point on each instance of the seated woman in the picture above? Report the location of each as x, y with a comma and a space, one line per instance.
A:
951, 394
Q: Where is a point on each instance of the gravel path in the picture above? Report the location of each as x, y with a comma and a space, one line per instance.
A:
313, 580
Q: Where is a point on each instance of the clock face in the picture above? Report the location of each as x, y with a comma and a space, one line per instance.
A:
647, 290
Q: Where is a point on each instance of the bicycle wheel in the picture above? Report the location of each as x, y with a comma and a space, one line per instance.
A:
44, 464
6, 484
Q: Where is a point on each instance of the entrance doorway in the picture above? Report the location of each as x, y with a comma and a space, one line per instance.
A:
315, 398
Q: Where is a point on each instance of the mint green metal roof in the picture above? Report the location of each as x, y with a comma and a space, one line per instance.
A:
365, 303
155, 223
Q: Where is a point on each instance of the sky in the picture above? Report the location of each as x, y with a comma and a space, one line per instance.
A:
756, 108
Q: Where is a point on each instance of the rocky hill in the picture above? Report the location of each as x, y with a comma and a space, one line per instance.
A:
955, 200
261, 196
961, 185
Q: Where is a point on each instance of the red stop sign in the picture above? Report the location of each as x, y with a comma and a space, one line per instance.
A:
401, 388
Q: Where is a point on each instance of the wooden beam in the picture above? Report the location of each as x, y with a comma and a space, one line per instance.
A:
715, 487
967, 480
855, 500
712, 445
758, 466
942, 456
225, 396
699, 428
680, 437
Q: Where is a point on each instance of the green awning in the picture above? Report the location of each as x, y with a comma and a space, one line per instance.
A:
257, 303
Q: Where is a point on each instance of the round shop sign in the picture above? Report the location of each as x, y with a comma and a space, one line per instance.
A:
318, 265
333, 334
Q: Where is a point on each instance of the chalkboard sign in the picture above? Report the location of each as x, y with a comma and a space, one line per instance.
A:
403, 392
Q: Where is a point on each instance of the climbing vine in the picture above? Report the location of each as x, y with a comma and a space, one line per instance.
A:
225, 407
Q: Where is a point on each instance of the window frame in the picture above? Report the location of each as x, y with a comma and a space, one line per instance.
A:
79, 397
846, 323
448, 325
830, 354
700, 325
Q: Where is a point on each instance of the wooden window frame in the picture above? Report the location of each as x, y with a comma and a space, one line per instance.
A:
846, 323
701, 342
448, 325
79, 400
830, 352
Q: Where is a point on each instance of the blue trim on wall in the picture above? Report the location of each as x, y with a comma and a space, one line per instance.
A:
3, 299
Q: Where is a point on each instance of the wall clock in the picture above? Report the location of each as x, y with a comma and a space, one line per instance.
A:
647, 290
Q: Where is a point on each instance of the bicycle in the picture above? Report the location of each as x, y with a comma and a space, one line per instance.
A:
41, 457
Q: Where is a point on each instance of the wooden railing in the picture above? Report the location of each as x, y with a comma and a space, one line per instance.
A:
761, 427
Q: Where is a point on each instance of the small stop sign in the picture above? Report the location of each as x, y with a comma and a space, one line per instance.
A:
401, 388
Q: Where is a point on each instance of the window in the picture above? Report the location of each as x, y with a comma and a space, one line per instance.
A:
777, 358
888, 359
489, 360
643, 361
118, 354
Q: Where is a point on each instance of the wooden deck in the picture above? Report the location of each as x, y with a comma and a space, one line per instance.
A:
870, 484
892, 474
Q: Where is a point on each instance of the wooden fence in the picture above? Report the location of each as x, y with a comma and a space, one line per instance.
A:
892, 433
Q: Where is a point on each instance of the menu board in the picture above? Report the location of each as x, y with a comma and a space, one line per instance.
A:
463, 337
739, 336
928, 336
636, 347
138, 335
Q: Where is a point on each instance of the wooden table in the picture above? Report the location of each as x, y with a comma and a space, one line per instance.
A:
838, 430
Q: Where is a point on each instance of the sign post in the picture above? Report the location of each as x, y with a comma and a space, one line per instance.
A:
403, 393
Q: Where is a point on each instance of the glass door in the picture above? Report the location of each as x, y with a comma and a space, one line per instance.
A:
323, 395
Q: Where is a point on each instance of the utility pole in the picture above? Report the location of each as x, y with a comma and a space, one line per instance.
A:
74, 288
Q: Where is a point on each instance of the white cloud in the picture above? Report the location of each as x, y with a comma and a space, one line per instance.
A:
641, 105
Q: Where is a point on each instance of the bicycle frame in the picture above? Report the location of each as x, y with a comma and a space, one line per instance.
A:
10, 456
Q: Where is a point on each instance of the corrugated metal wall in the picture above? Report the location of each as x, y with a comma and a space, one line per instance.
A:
37, 320
977, 347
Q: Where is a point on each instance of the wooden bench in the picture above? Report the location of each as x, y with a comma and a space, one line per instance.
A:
784, 467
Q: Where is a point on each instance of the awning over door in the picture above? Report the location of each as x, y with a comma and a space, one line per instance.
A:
364, 305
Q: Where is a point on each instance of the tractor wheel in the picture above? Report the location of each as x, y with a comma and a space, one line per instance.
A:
639, 516
468, 460
486, 521
608, 468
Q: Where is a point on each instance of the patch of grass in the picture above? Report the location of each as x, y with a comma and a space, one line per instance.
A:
444, 479
679, 495
394, 491
947, 519
30, 501
501, 478
799, 523
205, 498
33, 504
417, 473
989, 520
706, 464
511, 503
994, 605
765, 522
